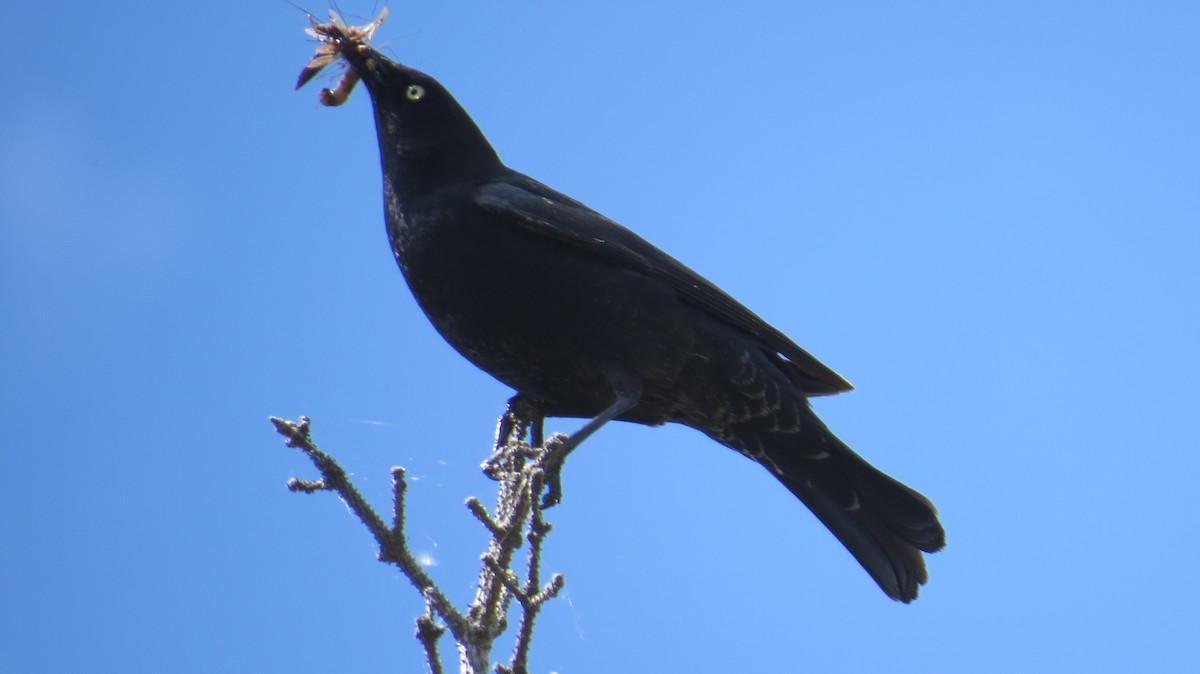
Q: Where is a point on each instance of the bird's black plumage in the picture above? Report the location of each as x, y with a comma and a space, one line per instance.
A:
578, 313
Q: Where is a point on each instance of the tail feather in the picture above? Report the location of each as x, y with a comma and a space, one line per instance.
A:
906, 511
885, 524
896, 565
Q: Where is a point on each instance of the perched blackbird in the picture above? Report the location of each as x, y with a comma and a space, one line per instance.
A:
586, 319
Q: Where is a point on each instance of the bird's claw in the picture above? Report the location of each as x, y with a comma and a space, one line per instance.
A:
556, 450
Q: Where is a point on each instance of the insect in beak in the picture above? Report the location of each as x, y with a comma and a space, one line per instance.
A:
337, 38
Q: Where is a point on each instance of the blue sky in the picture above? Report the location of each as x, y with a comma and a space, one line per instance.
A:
985, 217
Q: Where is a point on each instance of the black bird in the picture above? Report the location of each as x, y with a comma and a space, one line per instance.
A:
586, 319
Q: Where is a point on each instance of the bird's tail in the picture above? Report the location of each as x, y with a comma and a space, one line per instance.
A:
883, 523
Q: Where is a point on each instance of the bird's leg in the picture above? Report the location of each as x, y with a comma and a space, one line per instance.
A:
537, 431
521, 416
504, 430
627, 397
508, 425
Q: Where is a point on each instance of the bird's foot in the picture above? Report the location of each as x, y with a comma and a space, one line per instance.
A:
520, 418
554, 456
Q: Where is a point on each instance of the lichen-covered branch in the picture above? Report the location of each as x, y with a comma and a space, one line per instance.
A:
519, 470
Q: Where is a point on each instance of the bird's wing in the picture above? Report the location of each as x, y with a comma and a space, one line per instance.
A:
527, 203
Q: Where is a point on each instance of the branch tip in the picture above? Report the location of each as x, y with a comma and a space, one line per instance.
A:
307, 486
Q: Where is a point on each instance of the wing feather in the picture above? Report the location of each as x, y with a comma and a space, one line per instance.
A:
526, 203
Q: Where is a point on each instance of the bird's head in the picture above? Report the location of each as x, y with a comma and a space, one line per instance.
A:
424, 134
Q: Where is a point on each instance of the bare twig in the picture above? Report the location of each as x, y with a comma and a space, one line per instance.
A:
428, 633
393, 547
520, 470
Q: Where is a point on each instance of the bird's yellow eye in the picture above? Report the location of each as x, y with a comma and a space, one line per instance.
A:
414, 92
